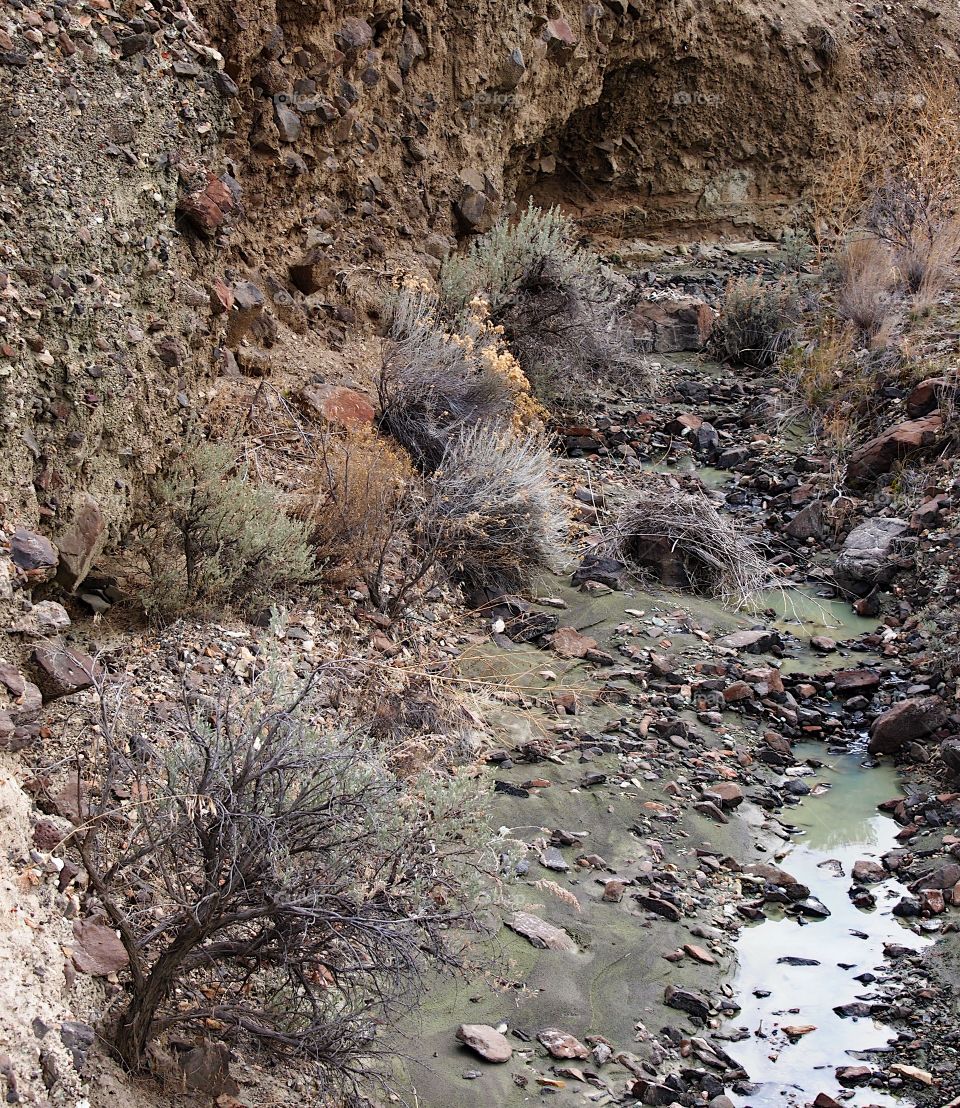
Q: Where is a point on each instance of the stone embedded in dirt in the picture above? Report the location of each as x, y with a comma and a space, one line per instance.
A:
823, 644
686, 1000
81, 543
78, 1038
925, 396
613, 891
725, 794
551, 858
595, 567
34, 554
879, 455
698, 954
205, 1068
337, 404
99, 950
866, 872
871, 555
569, 643
751, 642
708, 808
658, 906
207, 208
62, 671
853, 681
560, 1044
653, 1093
541, 934
906, 722
44, 620
912, 1073
485, 1041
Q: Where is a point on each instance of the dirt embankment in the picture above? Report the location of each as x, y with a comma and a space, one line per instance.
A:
189, 199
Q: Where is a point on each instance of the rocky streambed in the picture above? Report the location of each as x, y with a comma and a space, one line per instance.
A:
702, 897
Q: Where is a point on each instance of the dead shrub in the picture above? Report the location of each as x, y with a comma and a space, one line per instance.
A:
865, 281
666, 526
434, 380
208, 537
274, 886
756, 323
492, 511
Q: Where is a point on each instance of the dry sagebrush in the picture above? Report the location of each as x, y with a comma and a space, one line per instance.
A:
717, 557
757, 322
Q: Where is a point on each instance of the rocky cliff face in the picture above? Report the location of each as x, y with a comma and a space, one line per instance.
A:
189, 198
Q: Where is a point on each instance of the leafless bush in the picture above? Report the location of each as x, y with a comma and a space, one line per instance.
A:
433, 382
569, 333
208, 537
272, 884
756, 323
865, 286
492, 511
920, 220
666, 526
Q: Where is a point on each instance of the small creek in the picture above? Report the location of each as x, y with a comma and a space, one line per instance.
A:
834, 830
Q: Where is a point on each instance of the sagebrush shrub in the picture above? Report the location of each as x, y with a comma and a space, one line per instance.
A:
212, 538
865, 286
756, 322
492, 510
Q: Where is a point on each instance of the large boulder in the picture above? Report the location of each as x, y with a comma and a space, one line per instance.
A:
911, 719
667, 326
927, 396
878, 456
870, 555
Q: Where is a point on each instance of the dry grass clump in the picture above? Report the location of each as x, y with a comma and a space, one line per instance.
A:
492, 510
865, 288
435, 380
665, 522
209, 537
562, 312
756, 323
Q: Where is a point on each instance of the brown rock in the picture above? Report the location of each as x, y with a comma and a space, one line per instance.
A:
866, 872
738, 691
906, 722
337, 404
81, 543
312, 273
34, 554
485, 1041
698, 954
569, 643
62, 671
853, 681
560, 1044
666, 326
540, 933
98, 951
925, 397
207, 208
879, 454
725, 794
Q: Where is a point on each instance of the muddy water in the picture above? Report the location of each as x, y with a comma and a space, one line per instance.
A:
834, 830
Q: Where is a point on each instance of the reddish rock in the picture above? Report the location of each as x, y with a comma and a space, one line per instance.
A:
485, 1041
879, 454
738, 691
866, 872
338, 404
925, 397
569, 643
207, 208
725, 794
906, 722
666, 326
850, 682
62, 671
81, 543
560, 1044
98, 951
932, 901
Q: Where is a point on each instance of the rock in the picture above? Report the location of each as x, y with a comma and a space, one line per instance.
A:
869, 555
943, 877
540, 933
485, 1041
613, 891
866, 872
559, 1044
135, 44
33, 554
950, 754
685, 1000
207, 208
312, 272
812, 906
808, 523
595, 567
476, 206
569, 643
853, 1075
725, 794
912, 1073
511, 71
774, 875
698, 954
44, 620
751, 642
855, 1009
823, 644
851, 682
81, 543
658, 906
99, 951
668, 326
205, 1068
62, 671
337, 404
879, 455
906, 722
78, 1038
824, 1100
738, 691
926, 396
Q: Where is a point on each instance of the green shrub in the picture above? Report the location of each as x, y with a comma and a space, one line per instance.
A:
212, 538
756, 323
